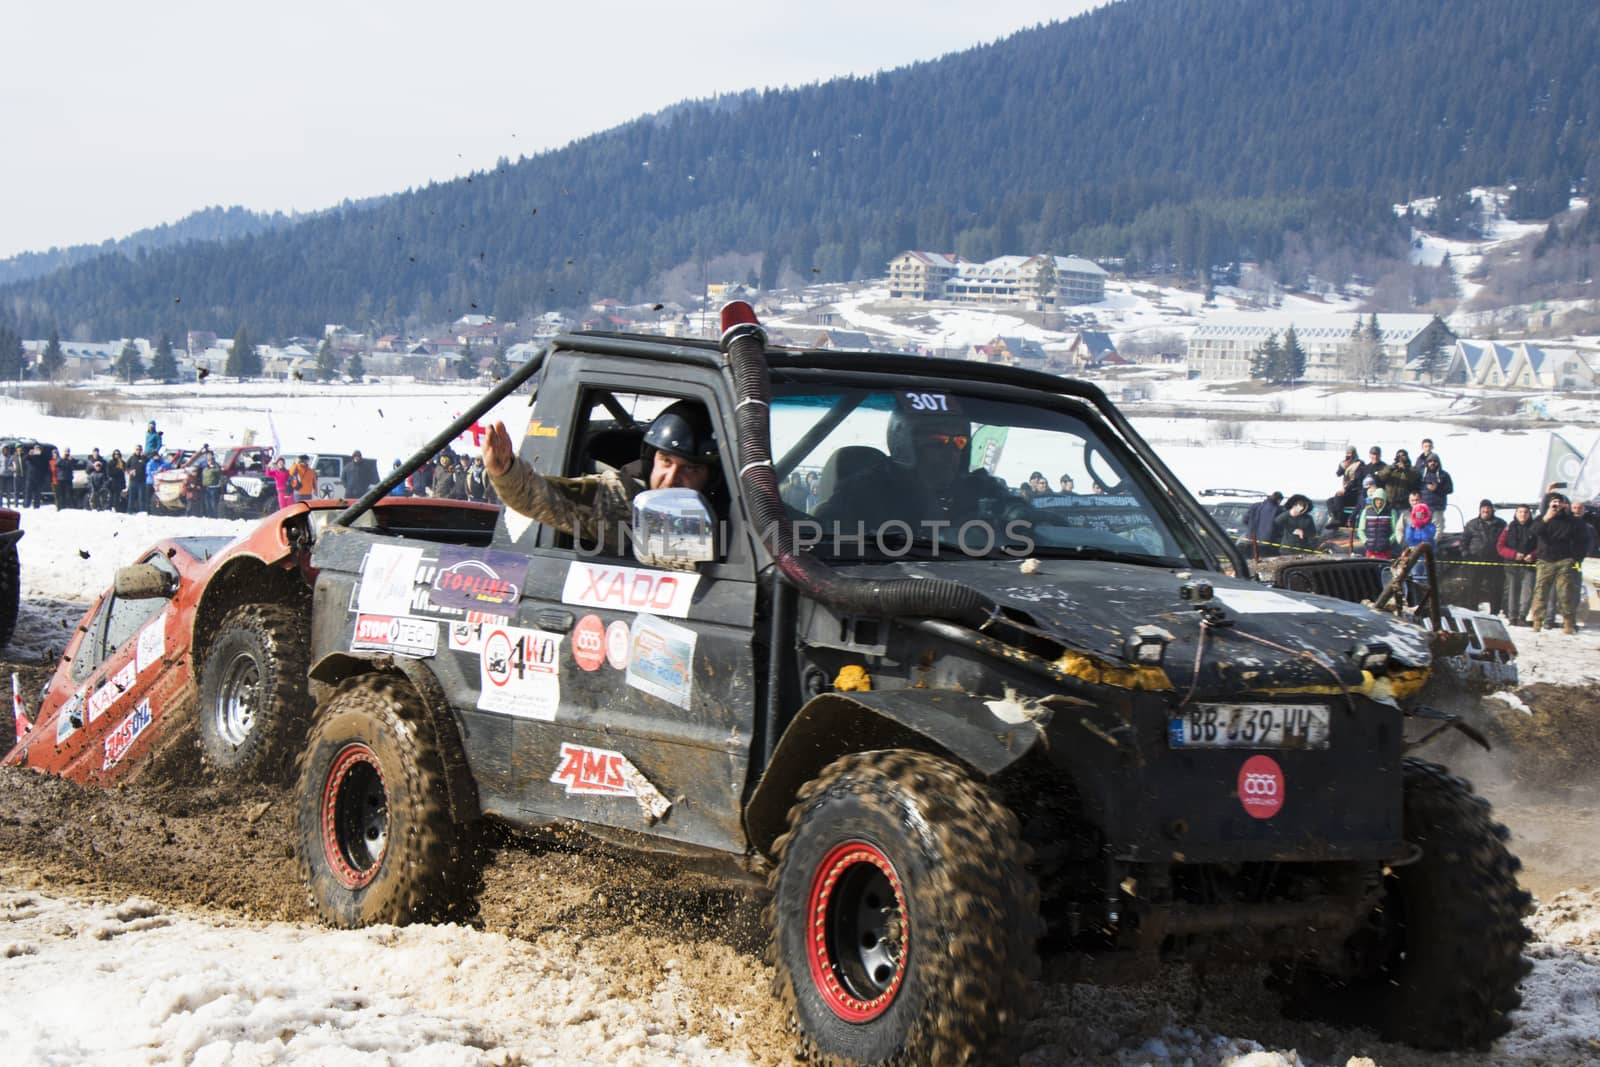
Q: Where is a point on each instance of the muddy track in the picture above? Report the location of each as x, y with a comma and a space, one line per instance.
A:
184, 842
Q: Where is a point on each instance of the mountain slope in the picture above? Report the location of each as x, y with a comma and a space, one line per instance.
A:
1183, 131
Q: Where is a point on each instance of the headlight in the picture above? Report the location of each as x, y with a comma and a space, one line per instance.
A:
1371, 656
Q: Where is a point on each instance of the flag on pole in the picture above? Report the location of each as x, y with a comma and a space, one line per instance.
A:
272, 427
1585, 484
17, 712
1562, 464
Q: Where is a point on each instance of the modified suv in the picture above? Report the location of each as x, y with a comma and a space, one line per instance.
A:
957, 733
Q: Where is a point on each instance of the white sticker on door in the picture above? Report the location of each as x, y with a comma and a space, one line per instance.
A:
600, 585
386, 579
661, 660
519, 672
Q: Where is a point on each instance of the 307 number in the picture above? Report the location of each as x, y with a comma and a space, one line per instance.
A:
928, 401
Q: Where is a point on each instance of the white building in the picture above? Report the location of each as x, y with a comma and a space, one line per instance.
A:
1222, 346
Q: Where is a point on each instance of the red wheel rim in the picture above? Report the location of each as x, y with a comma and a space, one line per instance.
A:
355, 816
857, 931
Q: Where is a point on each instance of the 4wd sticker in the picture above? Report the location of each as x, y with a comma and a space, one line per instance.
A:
598, 585
586, 771
478, 580
519, 672
398, 635
121, 739
661, 660
1261, 787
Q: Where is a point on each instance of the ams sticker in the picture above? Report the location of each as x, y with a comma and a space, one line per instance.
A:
519, 673
121, 739
586, 771
661, 660
597, 585
399, 635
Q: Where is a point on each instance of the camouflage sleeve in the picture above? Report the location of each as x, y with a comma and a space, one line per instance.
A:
589, 508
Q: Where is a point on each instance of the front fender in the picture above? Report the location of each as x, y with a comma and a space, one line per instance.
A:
960, 726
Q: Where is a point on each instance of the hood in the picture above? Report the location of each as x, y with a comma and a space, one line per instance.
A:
1094, 608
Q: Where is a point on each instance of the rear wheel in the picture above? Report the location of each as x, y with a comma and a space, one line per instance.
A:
1438, 963
253, 702
377, 843
904, 920
10, 591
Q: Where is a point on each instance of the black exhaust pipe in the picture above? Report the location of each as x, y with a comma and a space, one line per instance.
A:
744, 343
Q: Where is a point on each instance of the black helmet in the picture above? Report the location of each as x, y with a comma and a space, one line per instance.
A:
912, 435
683, 430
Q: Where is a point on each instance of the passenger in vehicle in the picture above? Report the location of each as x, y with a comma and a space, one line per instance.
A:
679, 451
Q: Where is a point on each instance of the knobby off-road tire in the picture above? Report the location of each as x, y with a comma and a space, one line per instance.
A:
904, 920
376, 840
1443, 949
253, 701
10, 592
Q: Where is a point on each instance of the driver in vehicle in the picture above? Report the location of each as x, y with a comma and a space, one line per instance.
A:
679, 451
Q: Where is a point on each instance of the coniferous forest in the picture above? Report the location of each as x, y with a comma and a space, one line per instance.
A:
1162, 134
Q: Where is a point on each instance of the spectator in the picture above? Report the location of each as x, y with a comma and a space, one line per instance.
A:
100, 483
1295, 528
62, 473
304, 479
1378, 526
403, 487
355, 479
211, 486
1260, 525
794, 491
152, 439
1374, 468
1519, 549
422, 480
1436, 487
35, 475
1343, 504
1425, 453
477, 480
1480, 544
1401, 479
117, 480
282, 481
1065, 485
813, 479
1583, 514
137, 463
1037, 486
1560, 541
1421, 530
10, 466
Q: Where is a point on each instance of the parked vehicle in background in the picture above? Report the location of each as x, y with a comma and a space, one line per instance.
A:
330, 467
200, 622
10, 573
179, 489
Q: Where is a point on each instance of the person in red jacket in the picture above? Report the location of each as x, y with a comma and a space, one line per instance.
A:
1518, 548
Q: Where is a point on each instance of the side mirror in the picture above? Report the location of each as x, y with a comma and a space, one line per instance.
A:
143, 581
673, 526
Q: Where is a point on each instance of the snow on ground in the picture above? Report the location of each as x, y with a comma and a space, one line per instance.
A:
98, 982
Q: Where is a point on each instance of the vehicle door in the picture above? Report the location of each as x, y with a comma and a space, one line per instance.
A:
113, 715
330, 476
624, 694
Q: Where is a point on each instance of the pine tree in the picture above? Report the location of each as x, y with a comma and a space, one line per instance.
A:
11, 354
501, 365
1294, 357
1435, 359
467, 367
164, 365
129, 367
1047, 282
52, 359
1378, 368
327, 361
356, 368
1266, 362
244, 362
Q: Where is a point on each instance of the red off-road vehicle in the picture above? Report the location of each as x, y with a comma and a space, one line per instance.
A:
204, 622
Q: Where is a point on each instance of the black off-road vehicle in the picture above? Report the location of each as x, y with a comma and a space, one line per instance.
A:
957, 730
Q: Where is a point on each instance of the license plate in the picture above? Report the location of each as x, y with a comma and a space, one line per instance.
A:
1250, 726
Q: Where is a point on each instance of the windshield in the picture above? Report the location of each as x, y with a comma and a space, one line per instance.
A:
876, 472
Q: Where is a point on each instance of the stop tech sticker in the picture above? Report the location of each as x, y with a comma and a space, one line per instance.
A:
1261, 787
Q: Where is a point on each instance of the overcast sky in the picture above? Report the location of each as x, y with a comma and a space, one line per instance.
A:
120, 116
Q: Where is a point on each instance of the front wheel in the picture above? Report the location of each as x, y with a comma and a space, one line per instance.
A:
253, 703
1438, 962
904, 919
376, 840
